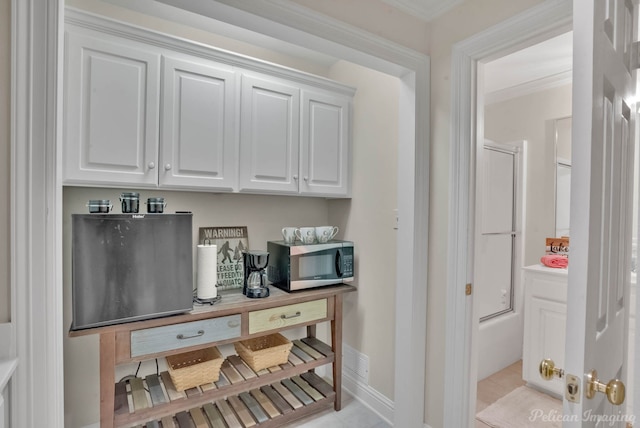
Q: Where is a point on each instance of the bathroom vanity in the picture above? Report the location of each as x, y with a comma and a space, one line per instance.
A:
545, 316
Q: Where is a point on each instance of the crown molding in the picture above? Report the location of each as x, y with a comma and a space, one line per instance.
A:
527, 88
306, 27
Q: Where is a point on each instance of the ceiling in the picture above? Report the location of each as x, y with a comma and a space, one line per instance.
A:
536, 68
545, 65
424, 9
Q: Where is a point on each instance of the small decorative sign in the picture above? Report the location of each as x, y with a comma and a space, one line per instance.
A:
557, 246
231, 242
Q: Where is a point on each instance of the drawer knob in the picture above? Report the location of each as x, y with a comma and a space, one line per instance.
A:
287, 317
233, 324
198, 334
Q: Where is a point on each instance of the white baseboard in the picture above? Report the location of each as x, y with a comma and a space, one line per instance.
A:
368, 396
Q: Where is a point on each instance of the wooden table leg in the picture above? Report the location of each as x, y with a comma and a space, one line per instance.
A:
336, 344
107, 378
311, 330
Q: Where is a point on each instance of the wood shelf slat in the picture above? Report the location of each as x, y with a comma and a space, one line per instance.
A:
179, 401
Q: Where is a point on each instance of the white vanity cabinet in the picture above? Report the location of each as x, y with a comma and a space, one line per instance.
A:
112, 102
545, 316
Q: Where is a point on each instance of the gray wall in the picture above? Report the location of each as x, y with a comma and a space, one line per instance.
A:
5, 158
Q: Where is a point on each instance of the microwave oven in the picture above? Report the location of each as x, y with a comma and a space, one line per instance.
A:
296, 267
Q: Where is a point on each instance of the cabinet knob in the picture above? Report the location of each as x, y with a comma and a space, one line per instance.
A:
306, 178
167, 167
295, 177
152, 165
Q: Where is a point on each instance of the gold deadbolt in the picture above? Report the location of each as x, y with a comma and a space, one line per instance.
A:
614, 390
548, 369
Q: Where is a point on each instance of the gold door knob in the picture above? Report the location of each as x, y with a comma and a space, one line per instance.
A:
548, 369
614, 390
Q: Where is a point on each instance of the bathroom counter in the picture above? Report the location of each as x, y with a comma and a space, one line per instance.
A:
546, 270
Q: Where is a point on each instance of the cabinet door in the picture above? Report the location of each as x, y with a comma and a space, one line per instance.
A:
111, 114
269, 135
545, 317
198, 139
325, 148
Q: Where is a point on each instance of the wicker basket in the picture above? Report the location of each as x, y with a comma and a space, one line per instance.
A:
264, 352
194, 368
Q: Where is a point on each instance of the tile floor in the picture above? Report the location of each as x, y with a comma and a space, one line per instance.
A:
496, 386
354, 414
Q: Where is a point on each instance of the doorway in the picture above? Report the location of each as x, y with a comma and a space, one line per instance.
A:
533, 26
521, 95
541, 23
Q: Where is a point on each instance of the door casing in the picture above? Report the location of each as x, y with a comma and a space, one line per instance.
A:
539, 23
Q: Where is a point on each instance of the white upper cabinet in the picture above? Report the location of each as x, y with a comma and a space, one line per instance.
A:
198, 138
292, 140
324, 149
144, 109
111, 115
269, 135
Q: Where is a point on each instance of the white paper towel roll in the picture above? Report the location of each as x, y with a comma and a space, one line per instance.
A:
207, 274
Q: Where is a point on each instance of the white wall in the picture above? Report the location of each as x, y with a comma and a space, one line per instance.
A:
531, 118
367, 219
195, 34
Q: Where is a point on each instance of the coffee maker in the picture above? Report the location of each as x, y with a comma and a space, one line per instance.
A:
255, 275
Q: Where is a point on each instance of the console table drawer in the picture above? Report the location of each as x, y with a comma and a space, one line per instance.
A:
285, 316
176, 336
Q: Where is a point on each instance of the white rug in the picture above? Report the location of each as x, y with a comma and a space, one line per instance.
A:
523, 407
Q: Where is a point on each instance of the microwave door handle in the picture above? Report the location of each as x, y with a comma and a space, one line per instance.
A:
339, 263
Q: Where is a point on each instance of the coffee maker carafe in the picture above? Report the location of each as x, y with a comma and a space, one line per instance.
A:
255, 274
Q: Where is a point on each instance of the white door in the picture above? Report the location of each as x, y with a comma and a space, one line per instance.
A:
601, 202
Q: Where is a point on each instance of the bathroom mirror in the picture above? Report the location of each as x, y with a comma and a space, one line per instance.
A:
562, 133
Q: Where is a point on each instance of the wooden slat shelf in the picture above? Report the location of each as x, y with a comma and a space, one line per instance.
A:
162, 400
159, 405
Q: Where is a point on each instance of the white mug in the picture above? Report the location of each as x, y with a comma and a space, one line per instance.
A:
307, 235
289, 235
326, 233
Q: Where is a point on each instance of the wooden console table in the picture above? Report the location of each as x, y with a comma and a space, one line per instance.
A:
235, 397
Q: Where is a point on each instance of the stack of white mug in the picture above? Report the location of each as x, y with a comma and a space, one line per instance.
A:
309, 235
